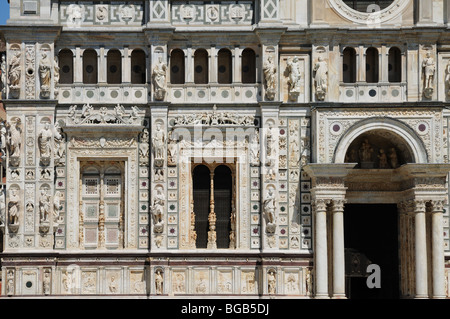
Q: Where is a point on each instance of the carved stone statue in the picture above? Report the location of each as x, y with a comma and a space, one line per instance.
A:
56, 74
159, 282
429, 69
320, 72
14, 71
271, 282
45, 141
3, 78
366, 152
3, 133
45, 66
159, 79
44, 206
57, 205
13, 207
2, 207
14, 139
294, 77
158, 145
270, 71
59, 145
254, 149
269, 211
144, 148
172, 150
157, 210
393, 160
382, 158
447, 78
46, 282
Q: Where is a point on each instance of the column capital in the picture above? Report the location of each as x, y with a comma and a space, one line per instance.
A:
320, 204
437, 206
418, 205
338, 205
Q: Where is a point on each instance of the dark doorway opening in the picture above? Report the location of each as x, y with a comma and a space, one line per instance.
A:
371, 234
222, 201
201, 181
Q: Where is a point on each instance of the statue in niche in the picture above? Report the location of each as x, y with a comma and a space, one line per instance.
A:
159, 282
254, 148
14, 71
144, 148
44, 206
13, 207
351, 156
447, 77
270, 71
157, 210
3, 70
158, 145
44, 141
45, 73
393, 160
294, 77
383, 160
269, 211
14, 139
429, 68
159, 79
10, 283
320, 73
272, 282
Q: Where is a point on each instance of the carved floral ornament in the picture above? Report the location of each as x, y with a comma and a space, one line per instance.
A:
365, 17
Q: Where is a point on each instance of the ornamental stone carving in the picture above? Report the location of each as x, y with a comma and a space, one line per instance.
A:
103, 115
3, 75
144, 148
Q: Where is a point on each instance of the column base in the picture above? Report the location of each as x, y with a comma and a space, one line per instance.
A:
322, 296
339, 296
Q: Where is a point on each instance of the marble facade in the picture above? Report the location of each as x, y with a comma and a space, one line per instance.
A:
307, 106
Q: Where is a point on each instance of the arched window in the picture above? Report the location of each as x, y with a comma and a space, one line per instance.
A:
114, 67
90, 67
65, 60
201, 66
224, 67
138, 67
349, 65
372, 65
248, 71
201, 191
395, 65
177, 67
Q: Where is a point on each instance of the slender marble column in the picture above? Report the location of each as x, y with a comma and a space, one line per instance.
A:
420, 250
212, 243
338, 249
437, 242
320, 251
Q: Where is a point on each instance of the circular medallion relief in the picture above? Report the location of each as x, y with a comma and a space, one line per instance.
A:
367, 11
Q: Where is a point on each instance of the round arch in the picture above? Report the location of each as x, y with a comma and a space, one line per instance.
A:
393, 127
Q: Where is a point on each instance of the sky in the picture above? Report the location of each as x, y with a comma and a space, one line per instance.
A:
4, 11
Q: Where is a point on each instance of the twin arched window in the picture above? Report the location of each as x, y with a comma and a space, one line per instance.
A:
349, 66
